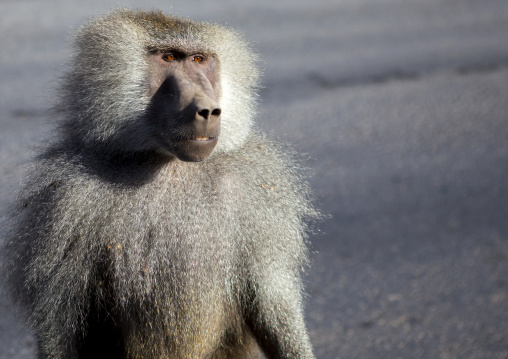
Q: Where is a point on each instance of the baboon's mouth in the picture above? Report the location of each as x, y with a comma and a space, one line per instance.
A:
202, 138
193, 148
196, 139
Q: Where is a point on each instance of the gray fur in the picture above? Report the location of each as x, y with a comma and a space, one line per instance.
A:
172, 259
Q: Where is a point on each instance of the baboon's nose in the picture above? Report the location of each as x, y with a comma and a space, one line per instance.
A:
207, 114
207, 110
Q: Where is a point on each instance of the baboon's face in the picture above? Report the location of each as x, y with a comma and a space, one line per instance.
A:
184, 109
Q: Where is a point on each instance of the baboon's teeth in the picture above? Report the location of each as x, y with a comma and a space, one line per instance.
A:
202, 138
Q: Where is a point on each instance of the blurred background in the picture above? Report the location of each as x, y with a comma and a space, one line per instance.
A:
400, 108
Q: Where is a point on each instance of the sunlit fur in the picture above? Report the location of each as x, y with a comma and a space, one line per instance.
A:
188, 260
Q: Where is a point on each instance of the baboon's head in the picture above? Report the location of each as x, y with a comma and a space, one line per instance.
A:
142, 81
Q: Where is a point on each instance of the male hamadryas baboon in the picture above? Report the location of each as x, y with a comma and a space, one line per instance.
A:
157, 223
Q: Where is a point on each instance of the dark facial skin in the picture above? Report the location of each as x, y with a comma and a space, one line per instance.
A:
184, 108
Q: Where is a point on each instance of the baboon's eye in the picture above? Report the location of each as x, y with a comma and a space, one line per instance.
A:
198, 58
169, 56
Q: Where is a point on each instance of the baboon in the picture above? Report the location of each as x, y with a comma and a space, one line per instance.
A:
158, 222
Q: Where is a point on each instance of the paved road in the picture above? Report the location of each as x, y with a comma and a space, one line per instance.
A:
401, 107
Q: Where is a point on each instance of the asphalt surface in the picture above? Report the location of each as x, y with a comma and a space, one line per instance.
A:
401, 110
